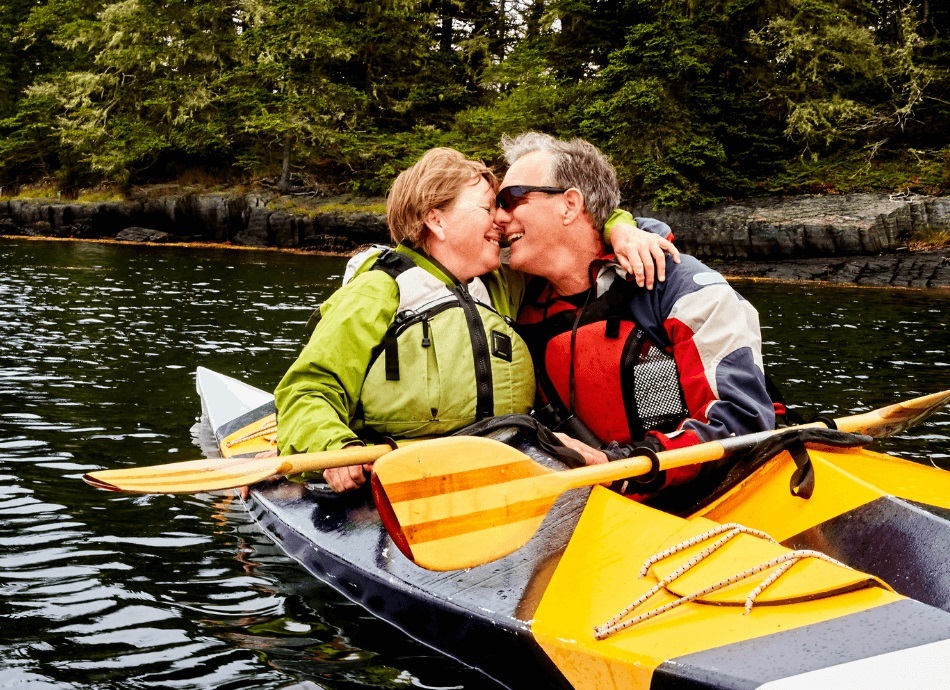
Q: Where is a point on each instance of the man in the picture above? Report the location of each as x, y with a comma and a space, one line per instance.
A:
664, 368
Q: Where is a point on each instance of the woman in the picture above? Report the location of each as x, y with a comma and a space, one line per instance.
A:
419, 341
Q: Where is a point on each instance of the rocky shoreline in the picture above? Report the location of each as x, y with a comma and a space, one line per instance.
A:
859, 239
862, 239
918, 269
253, 220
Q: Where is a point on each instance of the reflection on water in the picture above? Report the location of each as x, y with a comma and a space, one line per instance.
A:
840, 351
98, 347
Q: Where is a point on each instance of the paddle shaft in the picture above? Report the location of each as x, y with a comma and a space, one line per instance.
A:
328, 459
208, 475
879, 423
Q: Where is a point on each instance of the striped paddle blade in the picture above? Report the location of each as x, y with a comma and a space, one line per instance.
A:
461, 501
189, 477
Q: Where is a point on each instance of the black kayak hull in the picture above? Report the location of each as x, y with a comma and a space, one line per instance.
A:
480, 617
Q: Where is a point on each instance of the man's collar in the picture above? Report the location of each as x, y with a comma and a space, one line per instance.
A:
604, 270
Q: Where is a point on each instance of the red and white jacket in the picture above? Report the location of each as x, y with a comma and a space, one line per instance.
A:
680, 364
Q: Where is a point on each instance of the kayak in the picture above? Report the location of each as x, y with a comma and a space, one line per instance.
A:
759, 588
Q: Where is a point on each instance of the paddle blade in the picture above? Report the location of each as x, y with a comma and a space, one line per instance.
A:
461, 501
188, 477
895, 418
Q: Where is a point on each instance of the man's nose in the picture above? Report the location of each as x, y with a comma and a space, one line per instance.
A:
502, 217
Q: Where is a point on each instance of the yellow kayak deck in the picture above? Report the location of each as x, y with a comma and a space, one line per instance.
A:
711, 640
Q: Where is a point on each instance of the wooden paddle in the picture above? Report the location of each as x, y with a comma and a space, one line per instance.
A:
194, 476
459, 502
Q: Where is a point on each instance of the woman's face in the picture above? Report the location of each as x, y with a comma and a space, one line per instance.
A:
464, 236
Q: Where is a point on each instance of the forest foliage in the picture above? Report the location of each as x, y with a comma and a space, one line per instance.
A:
695, 101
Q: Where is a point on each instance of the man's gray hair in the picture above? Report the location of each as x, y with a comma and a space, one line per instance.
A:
576, 163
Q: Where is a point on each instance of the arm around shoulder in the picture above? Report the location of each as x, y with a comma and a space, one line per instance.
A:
641, 246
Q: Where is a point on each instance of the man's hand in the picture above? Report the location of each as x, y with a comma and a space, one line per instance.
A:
642, 254
591, 456
347, 478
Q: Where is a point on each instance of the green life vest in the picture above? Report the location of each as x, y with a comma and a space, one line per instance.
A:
448, 359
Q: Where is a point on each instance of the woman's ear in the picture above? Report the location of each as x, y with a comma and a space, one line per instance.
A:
573, 205
434, 221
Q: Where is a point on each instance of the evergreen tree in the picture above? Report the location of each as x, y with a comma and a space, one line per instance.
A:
146, 99
33, 49
289, 91
838, 79
560, 46
679, 103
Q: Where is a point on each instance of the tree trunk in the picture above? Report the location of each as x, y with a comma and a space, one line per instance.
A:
502, 31
284, 185
445, 38
533, 19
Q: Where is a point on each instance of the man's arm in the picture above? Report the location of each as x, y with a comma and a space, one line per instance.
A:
717, 344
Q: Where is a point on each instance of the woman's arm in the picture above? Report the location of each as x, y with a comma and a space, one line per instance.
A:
641, 251
318, 396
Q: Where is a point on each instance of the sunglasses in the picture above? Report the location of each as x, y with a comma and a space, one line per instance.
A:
509, 197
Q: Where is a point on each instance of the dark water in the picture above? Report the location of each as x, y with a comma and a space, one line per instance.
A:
98, 345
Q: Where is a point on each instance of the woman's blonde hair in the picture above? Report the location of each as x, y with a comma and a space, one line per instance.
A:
433, 182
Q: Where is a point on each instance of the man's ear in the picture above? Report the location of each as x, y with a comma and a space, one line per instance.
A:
433, 221
573, 205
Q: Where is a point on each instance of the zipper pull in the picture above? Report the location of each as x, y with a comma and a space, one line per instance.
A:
425, 332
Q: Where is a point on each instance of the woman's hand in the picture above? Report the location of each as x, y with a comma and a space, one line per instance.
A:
642, 254
347, 478
340, 479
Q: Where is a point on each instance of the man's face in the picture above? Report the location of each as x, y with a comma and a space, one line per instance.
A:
532, 225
